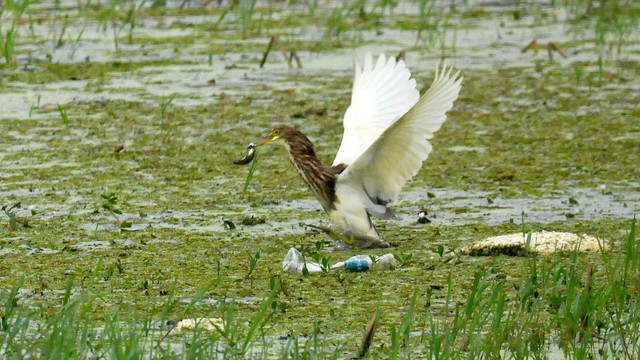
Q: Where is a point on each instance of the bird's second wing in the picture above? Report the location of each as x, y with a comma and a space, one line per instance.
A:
397, 155
381, 95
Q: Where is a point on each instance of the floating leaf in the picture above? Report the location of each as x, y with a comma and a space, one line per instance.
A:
253, 221
229, 224
13, 224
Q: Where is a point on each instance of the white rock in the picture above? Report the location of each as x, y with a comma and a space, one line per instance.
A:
544, 242
207, 324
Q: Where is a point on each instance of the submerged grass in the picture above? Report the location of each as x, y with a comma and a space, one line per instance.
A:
49, 72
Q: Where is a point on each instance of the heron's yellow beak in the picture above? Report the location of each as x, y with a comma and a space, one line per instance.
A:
273, 136
264, 141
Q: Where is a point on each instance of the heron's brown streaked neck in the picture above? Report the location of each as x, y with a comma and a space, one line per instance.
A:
320, 178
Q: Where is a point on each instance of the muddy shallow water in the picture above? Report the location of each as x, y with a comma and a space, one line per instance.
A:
150, 126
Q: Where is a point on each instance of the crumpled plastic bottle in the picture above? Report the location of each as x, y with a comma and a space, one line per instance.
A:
364, 262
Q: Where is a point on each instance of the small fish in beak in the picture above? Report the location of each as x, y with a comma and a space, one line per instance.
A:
251, 153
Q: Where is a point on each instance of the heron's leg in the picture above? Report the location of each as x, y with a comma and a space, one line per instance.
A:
334, 235
381, 243
349, 239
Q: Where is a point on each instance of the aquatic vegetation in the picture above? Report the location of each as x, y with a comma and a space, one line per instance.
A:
335, 23
246, 10
613, 25
312, 5
110, 204
252, 171
11, 214
11, 12
580, 305
63, 115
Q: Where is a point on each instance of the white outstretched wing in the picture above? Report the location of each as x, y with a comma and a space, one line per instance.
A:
397, 155
381, 95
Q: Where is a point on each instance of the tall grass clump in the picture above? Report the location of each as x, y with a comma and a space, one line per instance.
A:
120, 14
246, 10
11, 13
335, 23
426, 20
612, 24
582, 309
312, 5
70, 329
434, 28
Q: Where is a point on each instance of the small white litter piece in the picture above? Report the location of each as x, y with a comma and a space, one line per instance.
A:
544, 242
207, 324
294, 263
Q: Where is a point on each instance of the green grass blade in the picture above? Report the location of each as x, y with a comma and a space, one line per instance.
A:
260, 317
252, 170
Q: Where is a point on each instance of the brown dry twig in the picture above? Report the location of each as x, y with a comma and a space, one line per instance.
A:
551, 47
533, 45
275, 39
368, 335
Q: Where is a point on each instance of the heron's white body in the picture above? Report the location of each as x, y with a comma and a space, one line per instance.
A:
385, 141
351, 217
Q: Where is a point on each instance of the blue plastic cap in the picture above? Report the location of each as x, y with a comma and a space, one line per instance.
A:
355, 264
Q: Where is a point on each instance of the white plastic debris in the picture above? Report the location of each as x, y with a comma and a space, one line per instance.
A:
364, 263
207, 324
294, 262
386, 261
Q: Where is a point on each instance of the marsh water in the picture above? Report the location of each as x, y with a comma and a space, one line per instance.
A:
116, 130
